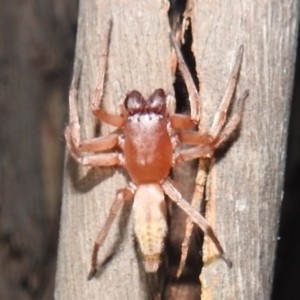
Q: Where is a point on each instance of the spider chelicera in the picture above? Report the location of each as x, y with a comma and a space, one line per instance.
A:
147, 148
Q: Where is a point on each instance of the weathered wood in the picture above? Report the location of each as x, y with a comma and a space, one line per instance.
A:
246, 183
139, 58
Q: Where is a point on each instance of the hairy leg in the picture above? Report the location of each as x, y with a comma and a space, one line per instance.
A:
206, 142
220, 116
192, 90
111, 119
198, 138
72, 134
195, 216
233, 123
196, 204
125, 194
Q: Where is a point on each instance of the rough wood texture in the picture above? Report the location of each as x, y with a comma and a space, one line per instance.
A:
139, 58
246, 184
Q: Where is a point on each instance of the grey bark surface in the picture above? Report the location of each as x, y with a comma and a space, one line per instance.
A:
246, 183
139, 58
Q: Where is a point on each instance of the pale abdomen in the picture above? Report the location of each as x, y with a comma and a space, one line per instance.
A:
150, 225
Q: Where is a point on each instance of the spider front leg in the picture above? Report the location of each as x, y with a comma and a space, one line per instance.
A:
192, 90
111, 119
72, 135
123, 195
206, 143
221, 114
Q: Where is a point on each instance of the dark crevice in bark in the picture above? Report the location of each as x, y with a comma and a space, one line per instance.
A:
287, 262
187, 286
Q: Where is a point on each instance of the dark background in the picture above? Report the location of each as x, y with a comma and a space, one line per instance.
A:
37, 42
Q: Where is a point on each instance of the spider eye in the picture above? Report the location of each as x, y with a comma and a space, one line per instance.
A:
157, 102
134, 103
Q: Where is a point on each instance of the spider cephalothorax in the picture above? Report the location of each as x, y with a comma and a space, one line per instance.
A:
147, 148
147, 142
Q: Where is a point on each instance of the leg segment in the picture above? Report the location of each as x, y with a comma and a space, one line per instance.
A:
74, 126
234, 122
177, 121
202, 150
72, 134
196, 203
100, 143
101, 160
192, 90
196, 217
106, 117
171, 105
194, 137
96, 160
111, 119
208, 144
220, 116
181, 121
122, 195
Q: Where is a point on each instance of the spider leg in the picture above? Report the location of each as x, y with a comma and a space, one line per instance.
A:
102, 160
220, 116
177, 121
181, 121
208, 144
72, 134
106, 117
98, 93
171, 104
123, 195
96, 160
74, 125
101, 143
111, 119
233, 123
194, 137
195, 203
202, 151
195, 216
192, 90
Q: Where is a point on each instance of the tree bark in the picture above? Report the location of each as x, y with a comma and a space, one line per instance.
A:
139, 58
246, 183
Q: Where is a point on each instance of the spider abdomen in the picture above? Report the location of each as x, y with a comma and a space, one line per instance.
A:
150, 225
148, 148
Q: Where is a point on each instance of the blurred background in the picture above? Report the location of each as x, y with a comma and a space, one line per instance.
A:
37, 43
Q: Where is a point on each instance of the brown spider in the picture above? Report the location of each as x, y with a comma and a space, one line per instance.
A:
147, 148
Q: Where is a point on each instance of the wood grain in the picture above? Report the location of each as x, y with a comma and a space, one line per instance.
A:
246, 183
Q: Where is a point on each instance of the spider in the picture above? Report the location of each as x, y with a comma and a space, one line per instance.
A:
147, 148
